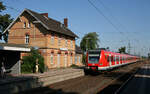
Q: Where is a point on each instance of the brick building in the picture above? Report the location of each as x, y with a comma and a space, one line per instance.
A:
54, 40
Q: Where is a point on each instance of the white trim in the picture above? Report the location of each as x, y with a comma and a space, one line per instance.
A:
103, 68
113, 66
15, 48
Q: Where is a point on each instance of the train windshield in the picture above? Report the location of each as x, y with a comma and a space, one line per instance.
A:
93, 56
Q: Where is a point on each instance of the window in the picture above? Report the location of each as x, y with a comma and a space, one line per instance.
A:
27, 39
59, 41
119, 59
52, 40
112, 58
51, 58
70, 60
76, 59
66, 42
24, 25
58, 60
71, 43
79, 59
115, 59
29, 25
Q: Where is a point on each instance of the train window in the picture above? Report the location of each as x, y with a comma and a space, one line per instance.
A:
93, 59
112, 58
107, 58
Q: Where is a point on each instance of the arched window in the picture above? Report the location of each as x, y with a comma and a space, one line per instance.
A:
27, 39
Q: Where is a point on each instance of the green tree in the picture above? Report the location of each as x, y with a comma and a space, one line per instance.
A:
122, 49
148, 55
29, 62
89, 41
5, 20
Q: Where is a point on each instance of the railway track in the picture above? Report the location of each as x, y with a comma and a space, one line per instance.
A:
88, 84
138, 78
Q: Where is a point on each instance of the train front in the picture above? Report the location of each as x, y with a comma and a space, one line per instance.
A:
93, 59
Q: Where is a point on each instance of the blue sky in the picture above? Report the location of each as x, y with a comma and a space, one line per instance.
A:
131, 17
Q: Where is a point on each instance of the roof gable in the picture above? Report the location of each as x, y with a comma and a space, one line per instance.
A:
48, 23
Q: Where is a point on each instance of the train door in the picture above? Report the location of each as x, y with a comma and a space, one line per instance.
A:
110, 63
119, 59
115, 60
123, 59
112, 60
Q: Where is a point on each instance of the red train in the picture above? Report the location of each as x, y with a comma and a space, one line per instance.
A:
103, 60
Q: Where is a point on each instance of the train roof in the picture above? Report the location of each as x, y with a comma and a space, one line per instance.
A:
109, 52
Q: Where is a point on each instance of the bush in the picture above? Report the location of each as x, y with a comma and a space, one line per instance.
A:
84, 60
74, 66
29, 62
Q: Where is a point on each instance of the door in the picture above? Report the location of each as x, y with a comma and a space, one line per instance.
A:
115, 60
65, 60
58, 60
70, 60
119, 59
110, 60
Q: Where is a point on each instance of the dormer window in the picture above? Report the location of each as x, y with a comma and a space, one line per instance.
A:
29, 25
61, 25
24, 25
27, 39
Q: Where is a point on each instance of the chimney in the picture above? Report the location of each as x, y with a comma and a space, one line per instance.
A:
66, 22
44, 14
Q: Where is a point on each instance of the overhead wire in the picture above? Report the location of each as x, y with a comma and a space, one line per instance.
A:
108, 20
122, 25
101, 13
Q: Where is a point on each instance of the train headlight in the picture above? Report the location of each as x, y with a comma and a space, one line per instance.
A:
100, 64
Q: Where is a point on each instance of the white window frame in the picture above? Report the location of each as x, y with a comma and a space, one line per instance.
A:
29, 25
27, 39
52, 59
24, 25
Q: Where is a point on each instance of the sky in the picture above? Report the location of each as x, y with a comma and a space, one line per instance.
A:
125, 21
